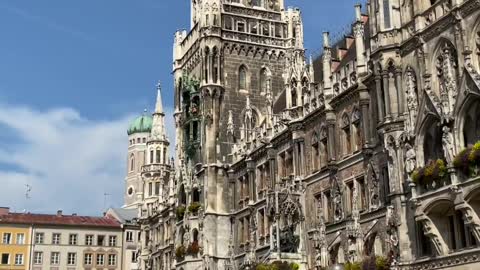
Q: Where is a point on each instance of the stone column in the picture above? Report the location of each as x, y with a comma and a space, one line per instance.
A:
380, 101
331, 122
251, 180
386, 94
401, 94
364, 104
271, 166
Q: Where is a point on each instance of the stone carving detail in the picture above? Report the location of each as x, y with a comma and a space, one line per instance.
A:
431, 232
392, 234
448, 144
290, 218
471, 218
374, 188
412, 99
410, 160
447, 73
320, 243
337, 199
230, 125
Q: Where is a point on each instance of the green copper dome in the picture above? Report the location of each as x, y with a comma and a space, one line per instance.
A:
140, 124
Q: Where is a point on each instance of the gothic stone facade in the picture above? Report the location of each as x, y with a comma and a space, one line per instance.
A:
356, 154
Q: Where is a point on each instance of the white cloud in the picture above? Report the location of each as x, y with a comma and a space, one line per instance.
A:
69, 161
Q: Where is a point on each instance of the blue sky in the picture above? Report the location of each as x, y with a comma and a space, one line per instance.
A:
74, 73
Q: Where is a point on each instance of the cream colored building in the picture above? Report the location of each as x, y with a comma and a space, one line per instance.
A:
128, 219
69, 242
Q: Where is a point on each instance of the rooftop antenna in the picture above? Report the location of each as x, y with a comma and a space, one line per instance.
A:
27, 191
105, 195
28, 188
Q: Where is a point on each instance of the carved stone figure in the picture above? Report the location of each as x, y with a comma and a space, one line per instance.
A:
410, 159
448, 144
289, 242
230, 125
412, 100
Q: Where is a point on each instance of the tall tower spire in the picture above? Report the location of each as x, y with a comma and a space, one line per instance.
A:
158, 125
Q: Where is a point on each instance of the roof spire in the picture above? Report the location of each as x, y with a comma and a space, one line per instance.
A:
159, 105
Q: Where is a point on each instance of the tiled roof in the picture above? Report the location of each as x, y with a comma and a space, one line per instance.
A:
59, 220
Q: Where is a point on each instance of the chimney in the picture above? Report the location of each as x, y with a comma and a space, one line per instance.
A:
4, 211
59, 213
74, 214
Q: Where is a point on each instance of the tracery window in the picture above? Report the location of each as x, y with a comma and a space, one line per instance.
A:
242, 78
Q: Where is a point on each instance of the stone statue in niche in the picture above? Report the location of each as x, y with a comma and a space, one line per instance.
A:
410, 159
289, 242
412, 99
337, 200
447, 143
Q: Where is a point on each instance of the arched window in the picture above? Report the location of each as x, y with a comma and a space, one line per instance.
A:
432, 145
263, 80
132, 163
471, 128
242, 78
157, 155
215, 65
196, 195
164, 155
151, 156
182, 196
386, 14
195, 235
206, 64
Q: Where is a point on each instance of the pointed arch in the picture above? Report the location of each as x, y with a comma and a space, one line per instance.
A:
132, 163
264, 79
242, 78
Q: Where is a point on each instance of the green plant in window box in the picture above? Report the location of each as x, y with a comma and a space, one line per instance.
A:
180, 212
435, 170
180, 252
194, 207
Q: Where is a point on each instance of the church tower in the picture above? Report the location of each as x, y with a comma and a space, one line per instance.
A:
138, 132
226, 68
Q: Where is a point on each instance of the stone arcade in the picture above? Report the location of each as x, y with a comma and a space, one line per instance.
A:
356, 153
